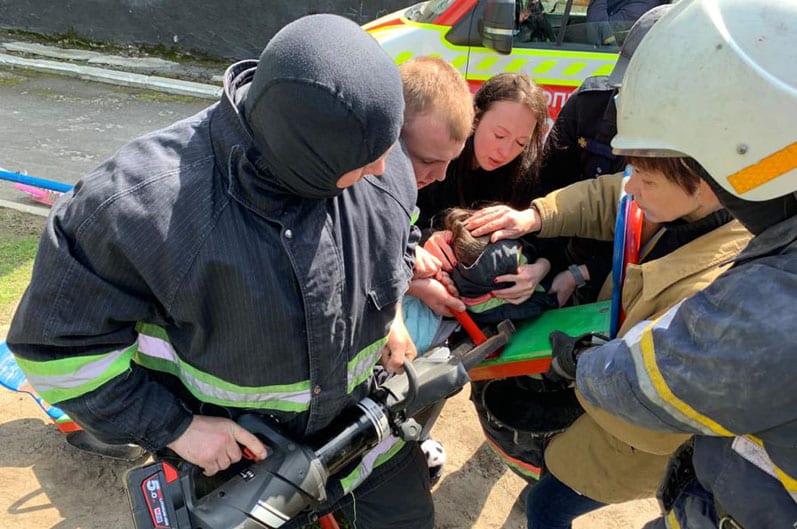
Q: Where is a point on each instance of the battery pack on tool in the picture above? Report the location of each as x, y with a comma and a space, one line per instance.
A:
156, 497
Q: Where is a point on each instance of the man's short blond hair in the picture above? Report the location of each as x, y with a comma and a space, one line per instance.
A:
433, 86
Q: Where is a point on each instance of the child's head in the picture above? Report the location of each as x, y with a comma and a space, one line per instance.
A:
466, 247
479, 261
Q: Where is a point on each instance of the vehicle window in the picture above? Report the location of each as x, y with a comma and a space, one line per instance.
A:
582, 27
427, 12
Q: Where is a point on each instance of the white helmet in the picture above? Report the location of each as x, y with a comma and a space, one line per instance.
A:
716, 80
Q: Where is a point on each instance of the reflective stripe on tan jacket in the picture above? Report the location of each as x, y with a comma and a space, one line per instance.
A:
602, 456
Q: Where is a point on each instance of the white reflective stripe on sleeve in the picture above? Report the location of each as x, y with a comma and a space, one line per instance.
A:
752, 450
83, 375
369, 461
651, 383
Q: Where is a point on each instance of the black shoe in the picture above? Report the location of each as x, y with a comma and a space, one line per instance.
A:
435, 473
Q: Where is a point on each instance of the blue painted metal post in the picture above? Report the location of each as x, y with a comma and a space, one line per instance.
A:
33, 181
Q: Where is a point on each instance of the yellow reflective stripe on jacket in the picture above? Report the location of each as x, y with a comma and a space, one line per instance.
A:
640, 340
487, 305
67, 378
360, 368
671, 522
372, 459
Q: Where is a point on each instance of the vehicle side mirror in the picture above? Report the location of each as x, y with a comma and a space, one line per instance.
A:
498, 25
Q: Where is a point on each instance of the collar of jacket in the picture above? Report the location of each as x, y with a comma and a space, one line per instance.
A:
715, 248
237, 158
770, 241
596, 83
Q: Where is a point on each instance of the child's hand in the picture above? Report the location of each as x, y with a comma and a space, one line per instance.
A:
447, 282
436, 295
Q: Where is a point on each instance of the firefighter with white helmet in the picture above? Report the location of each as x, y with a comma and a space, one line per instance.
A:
716, 80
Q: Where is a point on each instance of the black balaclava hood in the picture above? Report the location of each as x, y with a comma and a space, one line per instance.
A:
325, 99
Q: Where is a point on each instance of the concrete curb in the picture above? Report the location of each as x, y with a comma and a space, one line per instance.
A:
136, 80
103, 75
38, 210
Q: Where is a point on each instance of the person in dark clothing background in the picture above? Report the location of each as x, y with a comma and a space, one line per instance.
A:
247, 258
578, 148
605, 18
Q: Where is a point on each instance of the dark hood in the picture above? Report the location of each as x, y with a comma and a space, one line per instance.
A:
325, 99
498, 258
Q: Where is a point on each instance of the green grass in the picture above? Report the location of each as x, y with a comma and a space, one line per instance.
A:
19, 238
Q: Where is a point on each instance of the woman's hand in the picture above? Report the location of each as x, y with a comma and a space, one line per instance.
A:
439, 245
526, 280
214, 443
426, 264
563, 285
503, 222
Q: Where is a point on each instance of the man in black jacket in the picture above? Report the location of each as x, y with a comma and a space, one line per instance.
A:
247, 258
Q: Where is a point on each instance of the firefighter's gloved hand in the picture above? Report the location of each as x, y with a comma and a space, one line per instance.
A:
565, 350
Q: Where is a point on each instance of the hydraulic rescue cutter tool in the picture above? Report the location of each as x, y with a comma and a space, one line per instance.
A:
292, 478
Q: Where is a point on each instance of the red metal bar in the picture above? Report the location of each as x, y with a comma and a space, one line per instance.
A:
470, 327
328, 521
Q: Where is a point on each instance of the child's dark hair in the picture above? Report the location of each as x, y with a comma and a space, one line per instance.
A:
466, 247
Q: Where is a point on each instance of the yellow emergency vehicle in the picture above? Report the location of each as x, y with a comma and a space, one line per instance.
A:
550, 40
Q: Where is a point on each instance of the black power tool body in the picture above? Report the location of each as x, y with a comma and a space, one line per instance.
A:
292, 478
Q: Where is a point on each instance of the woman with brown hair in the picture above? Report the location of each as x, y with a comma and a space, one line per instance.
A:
499, 164
501, 158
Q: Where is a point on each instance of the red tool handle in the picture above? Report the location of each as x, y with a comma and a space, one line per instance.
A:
328, 522
470, 327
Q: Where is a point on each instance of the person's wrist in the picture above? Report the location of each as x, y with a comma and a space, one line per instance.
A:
416, 286
575, 271
535, 222
545, 264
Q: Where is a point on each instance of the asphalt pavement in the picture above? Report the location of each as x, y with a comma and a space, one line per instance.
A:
58, 126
